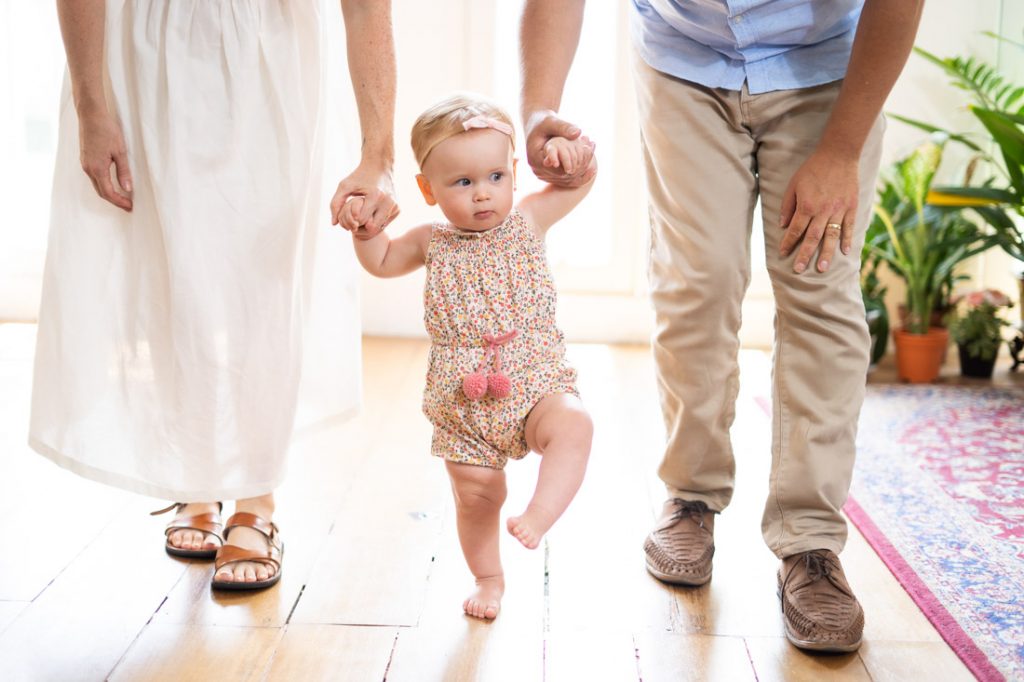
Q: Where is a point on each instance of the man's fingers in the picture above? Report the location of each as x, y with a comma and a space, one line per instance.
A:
833, 232
811, 238
847, 240
788, 208
556, 127
795, 228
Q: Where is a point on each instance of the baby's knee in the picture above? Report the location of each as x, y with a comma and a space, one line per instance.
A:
570, 427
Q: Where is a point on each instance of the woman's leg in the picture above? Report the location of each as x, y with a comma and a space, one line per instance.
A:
479, 493
560, 429
247, 538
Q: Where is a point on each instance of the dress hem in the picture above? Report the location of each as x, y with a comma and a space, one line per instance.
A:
144, 488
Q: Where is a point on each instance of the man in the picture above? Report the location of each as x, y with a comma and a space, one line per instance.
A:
739, 100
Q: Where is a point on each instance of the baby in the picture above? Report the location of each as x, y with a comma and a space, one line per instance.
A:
498, 385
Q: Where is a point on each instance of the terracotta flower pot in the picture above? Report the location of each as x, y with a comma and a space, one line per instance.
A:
919, 356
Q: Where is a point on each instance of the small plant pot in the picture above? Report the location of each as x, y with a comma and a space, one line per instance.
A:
971, 366
919, 356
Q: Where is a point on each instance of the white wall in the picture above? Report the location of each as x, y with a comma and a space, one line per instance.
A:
442, 46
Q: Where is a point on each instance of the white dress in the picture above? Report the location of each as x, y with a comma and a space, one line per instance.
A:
170, 344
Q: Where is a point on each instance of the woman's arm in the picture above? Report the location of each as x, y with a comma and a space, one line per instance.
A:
100, 138
371, 65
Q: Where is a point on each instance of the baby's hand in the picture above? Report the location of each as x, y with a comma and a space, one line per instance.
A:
348, 216
568, 154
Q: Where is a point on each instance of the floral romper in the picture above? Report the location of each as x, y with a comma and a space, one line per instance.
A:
482, 285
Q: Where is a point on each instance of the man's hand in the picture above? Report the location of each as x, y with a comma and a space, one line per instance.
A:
819, 208
377, 207
541, 127
102, 144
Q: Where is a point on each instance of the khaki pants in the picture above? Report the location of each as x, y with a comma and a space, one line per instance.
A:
709, 154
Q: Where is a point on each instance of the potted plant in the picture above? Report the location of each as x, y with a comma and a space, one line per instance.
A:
921, 243
998, 104
977, 332
873, 292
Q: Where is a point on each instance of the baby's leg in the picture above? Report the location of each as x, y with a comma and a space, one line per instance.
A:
479, 493
559, 429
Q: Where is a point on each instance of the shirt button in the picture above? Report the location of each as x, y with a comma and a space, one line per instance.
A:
738, 19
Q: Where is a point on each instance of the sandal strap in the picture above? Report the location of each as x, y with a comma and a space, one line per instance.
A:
209, 523
230, 554
247, 520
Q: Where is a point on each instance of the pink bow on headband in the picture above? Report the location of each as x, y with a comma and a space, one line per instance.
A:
487, 122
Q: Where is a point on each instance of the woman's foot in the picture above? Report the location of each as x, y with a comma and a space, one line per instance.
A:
485, 602
190, 539
246, 571
249, 539
531, 527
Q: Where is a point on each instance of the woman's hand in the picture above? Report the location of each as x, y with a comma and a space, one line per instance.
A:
377, 207
541, 127
820, 207
102, 144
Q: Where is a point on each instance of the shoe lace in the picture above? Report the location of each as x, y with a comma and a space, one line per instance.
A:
821, 567
695, 509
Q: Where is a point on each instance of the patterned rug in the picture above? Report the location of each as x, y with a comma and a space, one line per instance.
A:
939, 494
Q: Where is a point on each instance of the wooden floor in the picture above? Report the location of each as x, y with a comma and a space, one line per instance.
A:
373, 579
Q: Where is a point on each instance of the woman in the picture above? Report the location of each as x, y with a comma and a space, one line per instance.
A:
178, 269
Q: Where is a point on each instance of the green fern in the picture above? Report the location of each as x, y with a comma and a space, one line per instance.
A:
990, 88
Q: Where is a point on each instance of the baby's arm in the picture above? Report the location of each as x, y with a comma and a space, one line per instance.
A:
383, 256
545, 208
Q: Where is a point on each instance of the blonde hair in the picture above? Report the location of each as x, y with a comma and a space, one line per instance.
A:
446, 118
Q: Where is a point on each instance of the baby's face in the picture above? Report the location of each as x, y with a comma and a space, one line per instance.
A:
471, 177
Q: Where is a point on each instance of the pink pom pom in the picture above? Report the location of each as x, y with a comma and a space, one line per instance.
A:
474, 385
499, 385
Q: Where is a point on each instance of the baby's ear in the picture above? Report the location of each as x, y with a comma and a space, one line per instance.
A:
428, 194
515, 162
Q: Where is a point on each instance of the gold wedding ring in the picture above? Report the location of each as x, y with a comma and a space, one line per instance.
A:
834, 226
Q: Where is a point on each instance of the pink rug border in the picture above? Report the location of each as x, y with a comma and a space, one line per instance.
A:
959, 641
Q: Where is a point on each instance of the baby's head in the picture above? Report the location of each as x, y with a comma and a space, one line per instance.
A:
463, 145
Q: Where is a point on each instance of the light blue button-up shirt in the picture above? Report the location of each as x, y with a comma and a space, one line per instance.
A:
770, 44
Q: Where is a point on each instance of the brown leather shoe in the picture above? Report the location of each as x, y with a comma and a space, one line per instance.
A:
818, 606
680, 547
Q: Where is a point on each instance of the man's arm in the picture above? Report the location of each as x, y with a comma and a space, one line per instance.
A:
82, 26
548, 36
371, 63
824, 190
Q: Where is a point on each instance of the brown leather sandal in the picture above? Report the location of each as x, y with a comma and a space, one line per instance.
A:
209, 523
232, 554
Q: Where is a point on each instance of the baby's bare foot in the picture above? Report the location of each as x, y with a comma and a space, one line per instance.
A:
530, 528
485, 602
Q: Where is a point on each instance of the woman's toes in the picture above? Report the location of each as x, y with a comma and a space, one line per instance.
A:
262, 573
250, 574
225, 575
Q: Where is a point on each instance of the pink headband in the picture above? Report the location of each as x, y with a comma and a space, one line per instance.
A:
481, 121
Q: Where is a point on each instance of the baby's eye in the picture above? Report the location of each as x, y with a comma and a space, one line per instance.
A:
497, 176
463, 182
